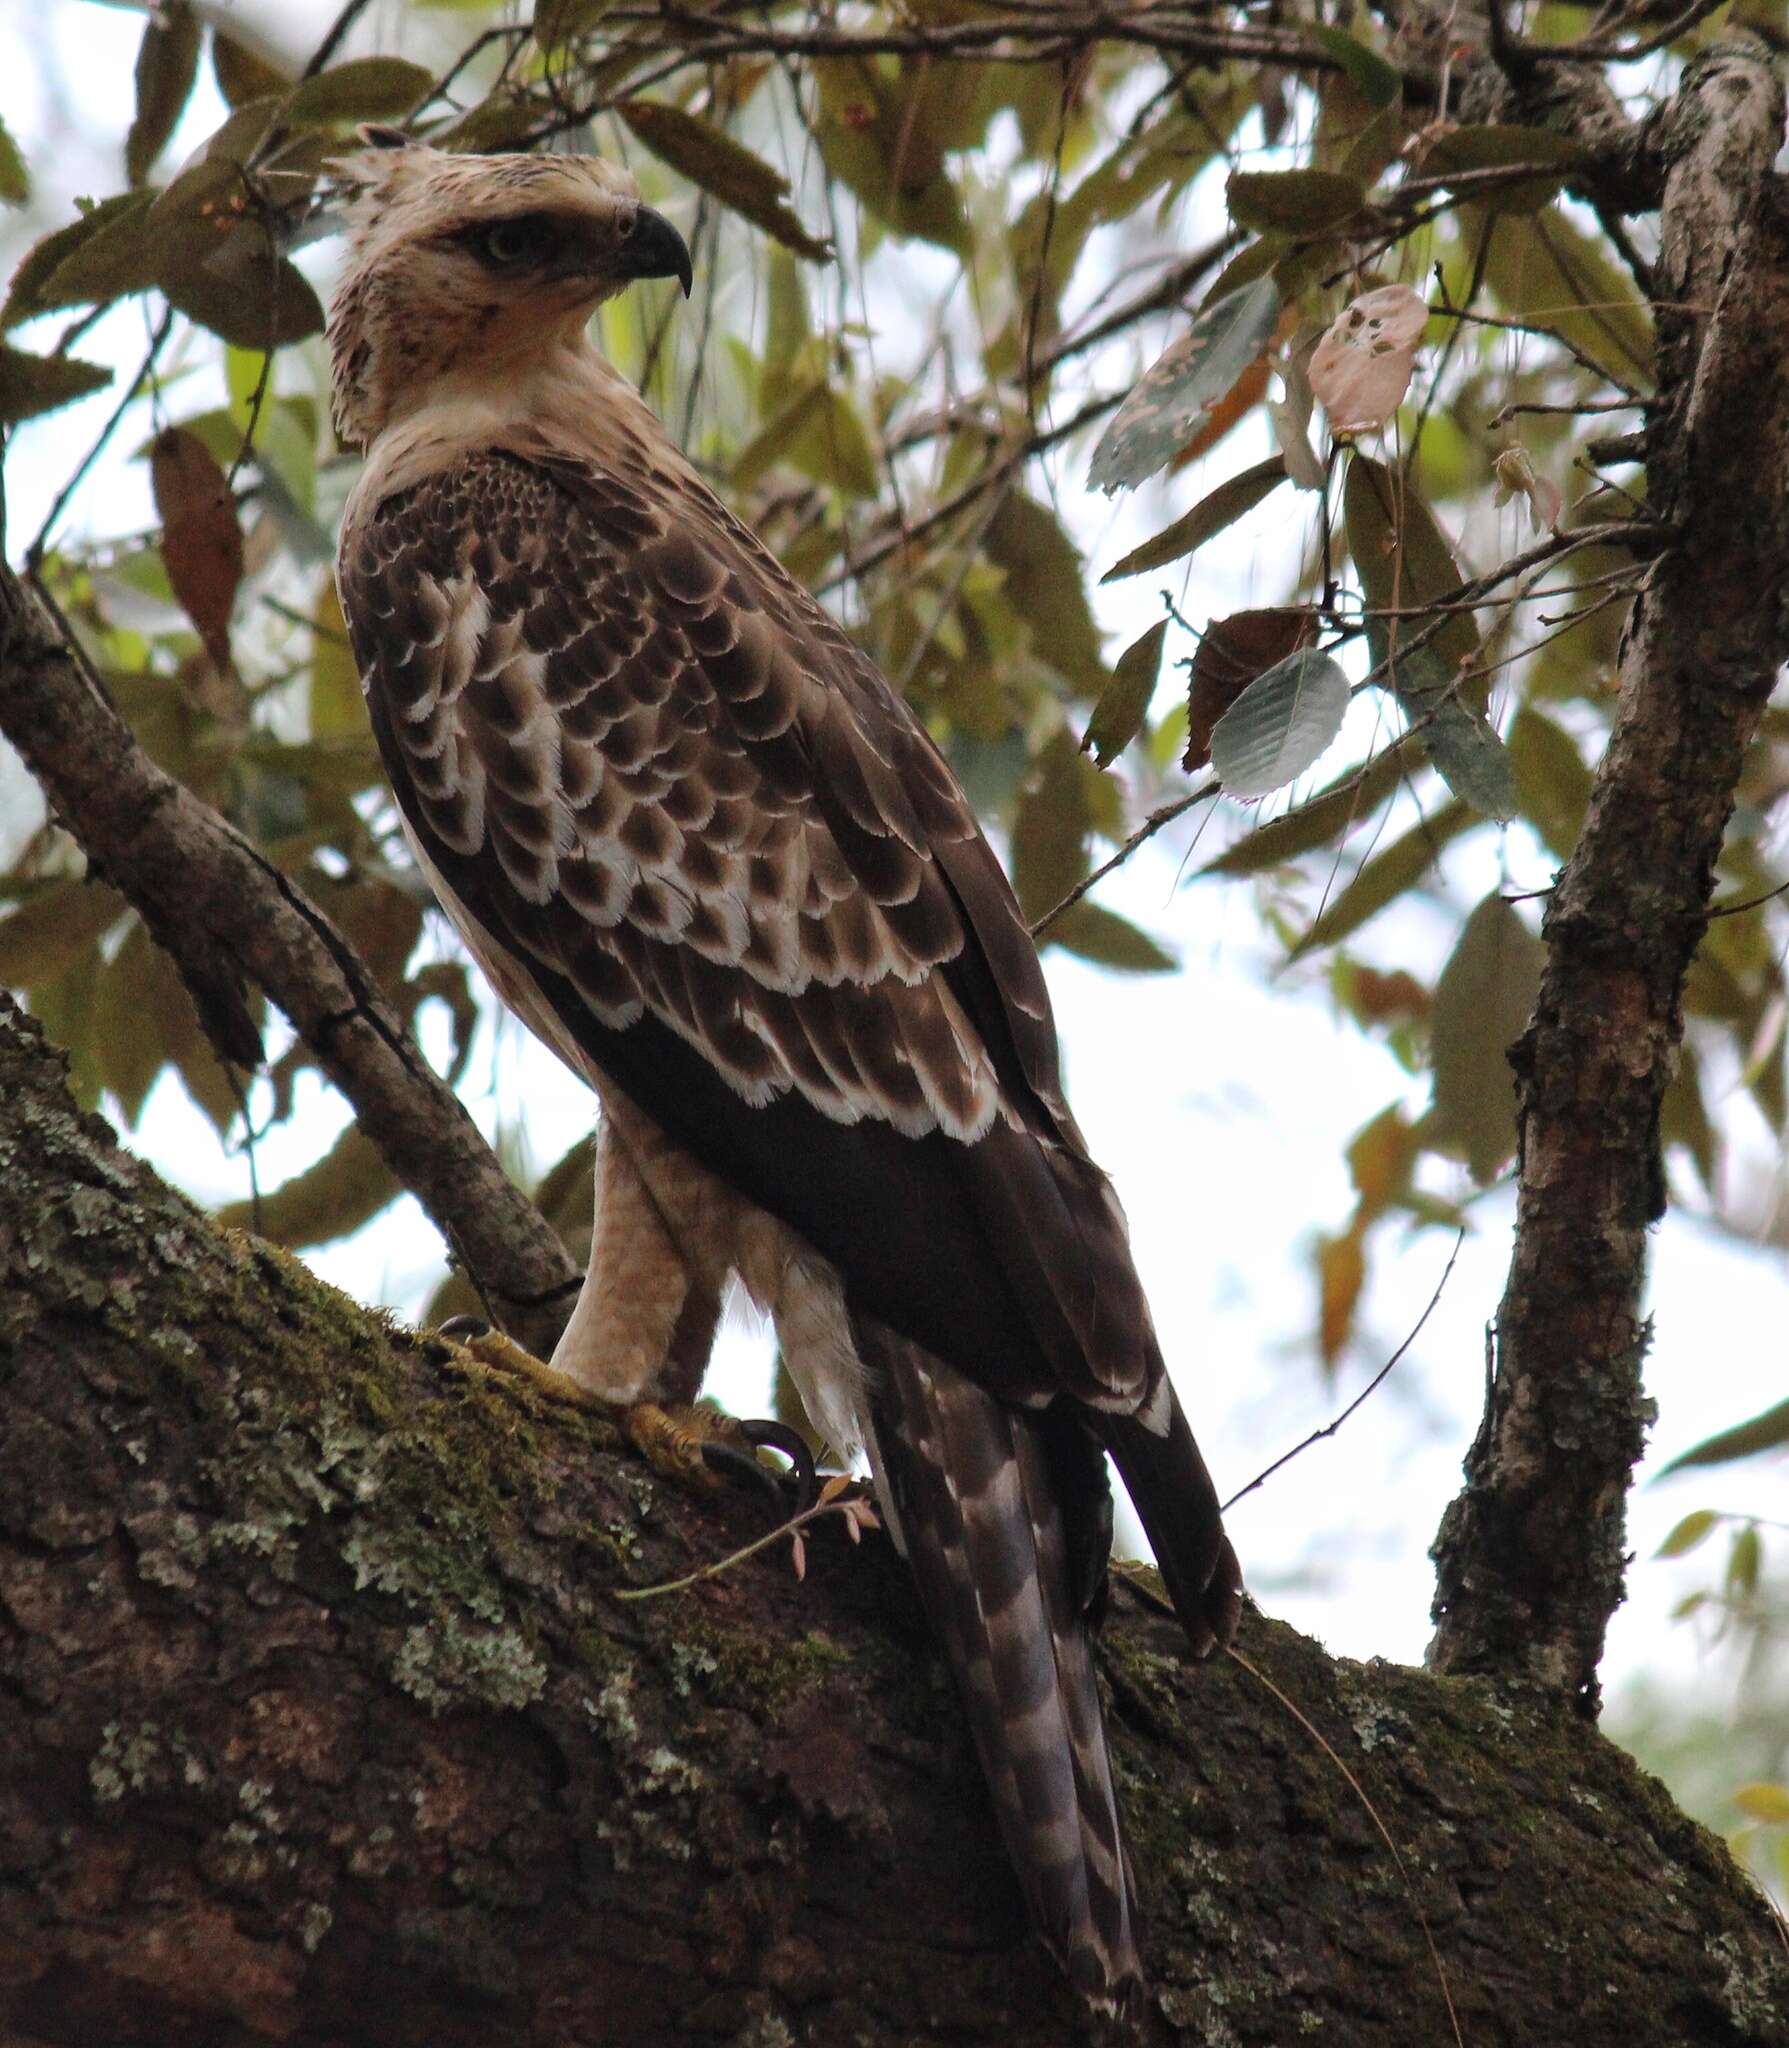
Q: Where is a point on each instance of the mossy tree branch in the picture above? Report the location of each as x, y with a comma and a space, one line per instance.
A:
319, 1724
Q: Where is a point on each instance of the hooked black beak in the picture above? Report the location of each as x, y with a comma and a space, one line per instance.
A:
654, 248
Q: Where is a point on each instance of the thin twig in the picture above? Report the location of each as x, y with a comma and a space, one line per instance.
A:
1372, 1387
34, 554
1147, 830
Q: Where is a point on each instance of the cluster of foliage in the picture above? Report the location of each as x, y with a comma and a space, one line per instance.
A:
936, 244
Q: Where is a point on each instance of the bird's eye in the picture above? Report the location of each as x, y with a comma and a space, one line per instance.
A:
508, 242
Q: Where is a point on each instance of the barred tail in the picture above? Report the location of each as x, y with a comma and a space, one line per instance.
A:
1006, 1520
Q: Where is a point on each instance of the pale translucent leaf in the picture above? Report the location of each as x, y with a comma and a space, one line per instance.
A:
1280, 724
1361, 368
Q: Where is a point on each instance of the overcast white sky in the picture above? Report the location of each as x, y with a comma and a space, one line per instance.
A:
1219, 1099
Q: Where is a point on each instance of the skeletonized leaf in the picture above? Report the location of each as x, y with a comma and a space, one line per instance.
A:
32, 384
1766, 1432
1361, 368
1280, 724
1231, 500
1232, 653
1303, 202
201, 535
167, 64
363, 89
1092, 932
1483, 1002
1118, 716
707, 156
1156, 419
15, 180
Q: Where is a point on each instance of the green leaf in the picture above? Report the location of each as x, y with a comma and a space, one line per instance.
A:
1378, 82
1232, 652
1046, 585
1298, 203
1547, 272
1402, 559
167, 64
330, 1199
1764, 1802
1049, 842
1691, 1531
363, 89
51, 928
243, 70
30, 384
1280, 724
1389, 874
1092, 932
1216, 510
239, 287
885, 133
1551, 779
1743, 1562
1158, 418
819, 433
1493, 147
558, 22
15, 180
1483, 1003
1471, 758
1118, 716
726, 169
1348, 801
103, 255
1766, 1432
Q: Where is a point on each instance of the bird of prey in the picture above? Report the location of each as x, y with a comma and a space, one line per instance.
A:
705, 851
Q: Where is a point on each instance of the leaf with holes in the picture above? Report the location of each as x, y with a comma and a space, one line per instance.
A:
1159, 415
1280, 724
1361, 368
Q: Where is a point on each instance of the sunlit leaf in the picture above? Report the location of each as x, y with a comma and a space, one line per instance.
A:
167, 64
1232, 652
1765, 1802
707, 156
1341, 1275
30, 384
1118, 716
1483, 1002
1381, 1157
1280, 724
1744, 1561
1693, 1530
1156, 419
1231, 500
1766, 1432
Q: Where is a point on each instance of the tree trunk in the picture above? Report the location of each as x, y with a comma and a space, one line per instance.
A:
323, 1724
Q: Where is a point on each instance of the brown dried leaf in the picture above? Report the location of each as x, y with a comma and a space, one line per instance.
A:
201, 535
1232, 654
1341, 1274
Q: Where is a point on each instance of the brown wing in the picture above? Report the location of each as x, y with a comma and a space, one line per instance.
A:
662, 779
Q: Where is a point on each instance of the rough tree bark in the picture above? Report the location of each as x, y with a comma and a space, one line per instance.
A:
321, 1723
1531, 1556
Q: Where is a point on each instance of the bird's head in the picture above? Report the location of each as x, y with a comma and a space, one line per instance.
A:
476, 264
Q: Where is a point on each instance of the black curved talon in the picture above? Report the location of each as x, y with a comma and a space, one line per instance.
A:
730, 1461
464, 1329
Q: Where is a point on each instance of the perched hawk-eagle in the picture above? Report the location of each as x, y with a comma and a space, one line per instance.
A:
706, 852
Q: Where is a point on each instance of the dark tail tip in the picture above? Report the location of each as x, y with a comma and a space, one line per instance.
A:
1174, 1496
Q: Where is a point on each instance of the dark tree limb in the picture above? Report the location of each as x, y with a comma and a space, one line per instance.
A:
1531, 1555
228, 916
320, 1724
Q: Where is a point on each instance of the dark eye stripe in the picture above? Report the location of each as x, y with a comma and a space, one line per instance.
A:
523, 237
